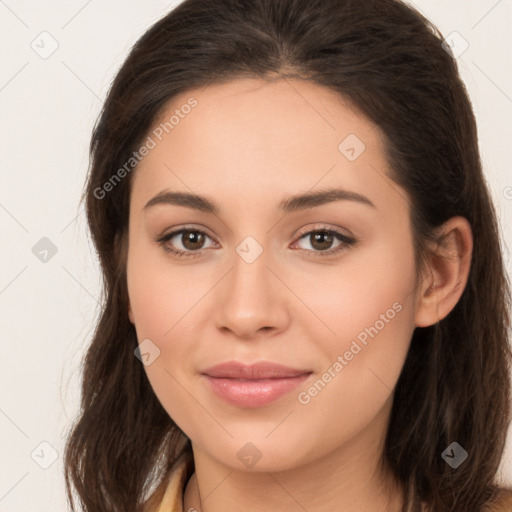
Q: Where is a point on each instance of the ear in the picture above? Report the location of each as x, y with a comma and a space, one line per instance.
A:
447, 272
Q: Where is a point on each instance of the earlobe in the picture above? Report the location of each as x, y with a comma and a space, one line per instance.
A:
449, 263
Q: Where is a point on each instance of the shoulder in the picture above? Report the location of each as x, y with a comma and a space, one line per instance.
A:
502, 501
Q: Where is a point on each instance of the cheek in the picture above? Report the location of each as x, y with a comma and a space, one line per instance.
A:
368, 295
371, 312
160, 295
163, 302
366, 306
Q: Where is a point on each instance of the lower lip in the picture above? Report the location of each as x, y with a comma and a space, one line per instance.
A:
253, 393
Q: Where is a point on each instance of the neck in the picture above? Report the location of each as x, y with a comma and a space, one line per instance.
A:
349, 479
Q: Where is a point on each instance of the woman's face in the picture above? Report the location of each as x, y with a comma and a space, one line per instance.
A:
324, 285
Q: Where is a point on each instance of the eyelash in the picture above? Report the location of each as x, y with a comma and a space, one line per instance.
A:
347, 242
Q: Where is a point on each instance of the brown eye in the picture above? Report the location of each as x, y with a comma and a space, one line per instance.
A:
192, 240
321, 240
184, 242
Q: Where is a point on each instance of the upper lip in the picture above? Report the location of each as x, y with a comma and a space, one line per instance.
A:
256, 371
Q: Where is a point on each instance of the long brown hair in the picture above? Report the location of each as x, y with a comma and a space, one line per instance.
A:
387, 60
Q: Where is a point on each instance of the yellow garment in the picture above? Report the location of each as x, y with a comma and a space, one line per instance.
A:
172, 500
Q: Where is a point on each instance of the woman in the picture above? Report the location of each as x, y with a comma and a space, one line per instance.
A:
305, 301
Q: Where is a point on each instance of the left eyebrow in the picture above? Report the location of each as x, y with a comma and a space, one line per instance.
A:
312, 199
288, 205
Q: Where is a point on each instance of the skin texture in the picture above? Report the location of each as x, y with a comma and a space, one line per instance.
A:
247, 145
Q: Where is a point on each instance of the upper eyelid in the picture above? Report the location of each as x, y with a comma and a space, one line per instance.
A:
346, 241
177, 231
324, 227
302, 233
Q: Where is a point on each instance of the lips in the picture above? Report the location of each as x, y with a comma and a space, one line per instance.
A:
256, 371
253, 385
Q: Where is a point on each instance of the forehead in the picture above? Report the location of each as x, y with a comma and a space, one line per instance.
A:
251, 138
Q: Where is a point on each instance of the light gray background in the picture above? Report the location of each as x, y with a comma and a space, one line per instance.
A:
48, 107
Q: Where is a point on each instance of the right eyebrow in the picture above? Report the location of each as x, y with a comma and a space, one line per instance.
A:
184, 199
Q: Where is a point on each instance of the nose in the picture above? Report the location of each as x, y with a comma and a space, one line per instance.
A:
251, 300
